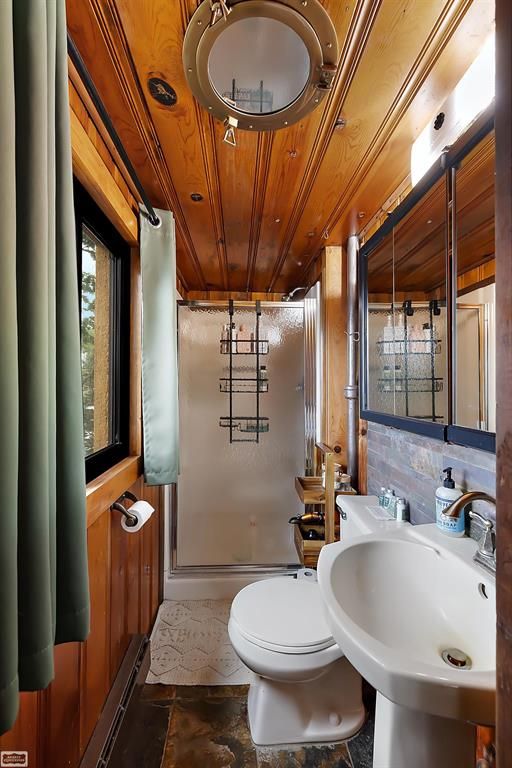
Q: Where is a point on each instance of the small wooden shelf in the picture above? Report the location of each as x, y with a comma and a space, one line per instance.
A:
308, 550
310, 490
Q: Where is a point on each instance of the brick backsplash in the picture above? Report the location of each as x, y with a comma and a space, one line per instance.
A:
412, 466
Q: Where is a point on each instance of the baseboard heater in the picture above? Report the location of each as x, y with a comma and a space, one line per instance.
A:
132, 672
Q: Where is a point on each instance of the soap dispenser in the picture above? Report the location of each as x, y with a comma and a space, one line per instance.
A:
446, 494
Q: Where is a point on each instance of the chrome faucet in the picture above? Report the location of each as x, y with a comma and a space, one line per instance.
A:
486, 552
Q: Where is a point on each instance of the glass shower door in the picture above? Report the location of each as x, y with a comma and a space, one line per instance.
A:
234, 500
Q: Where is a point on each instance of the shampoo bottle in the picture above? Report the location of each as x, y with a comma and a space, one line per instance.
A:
445, 496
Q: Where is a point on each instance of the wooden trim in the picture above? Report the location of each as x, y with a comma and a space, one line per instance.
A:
136, 356
105, 489
92, 172
93, 114
135, 664
334, 321
235, 295
504, 378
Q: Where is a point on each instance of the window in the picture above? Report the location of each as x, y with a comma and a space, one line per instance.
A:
104, 280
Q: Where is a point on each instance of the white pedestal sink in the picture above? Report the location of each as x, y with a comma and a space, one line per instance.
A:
395, 602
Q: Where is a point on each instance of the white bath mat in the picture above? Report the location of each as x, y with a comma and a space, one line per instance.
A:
190, 645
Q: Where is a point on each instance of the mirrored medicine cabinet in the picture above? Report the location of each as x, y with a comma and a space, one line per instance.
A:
428, 349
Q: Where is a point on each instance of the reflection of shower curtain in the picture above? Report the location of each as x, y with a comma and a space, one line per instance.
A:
234, 501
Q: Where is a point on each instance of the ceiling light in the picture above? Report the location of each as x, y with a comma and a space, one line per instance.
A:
472, 94
265, 63
196, 197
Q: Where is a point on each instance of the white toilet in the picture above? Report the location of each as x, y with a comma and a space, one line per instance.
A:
304, 691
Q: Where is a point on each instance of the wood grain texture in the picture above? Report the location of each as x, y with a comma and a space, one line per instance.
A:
334, 353
95, 176
504, 379
270, 205
108, 487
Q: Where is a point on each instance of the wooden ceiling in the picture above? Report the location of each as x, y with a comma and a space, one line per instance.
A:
271, 204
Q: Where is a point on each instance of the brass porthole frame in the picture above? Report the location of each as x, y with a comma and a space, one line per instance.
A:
311, 23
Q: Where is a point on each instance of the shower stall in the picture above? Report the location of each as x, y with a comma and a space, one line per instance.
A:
229, 512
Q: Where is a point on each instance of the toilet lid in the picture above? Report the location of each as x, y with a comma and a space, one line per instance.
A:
284, 613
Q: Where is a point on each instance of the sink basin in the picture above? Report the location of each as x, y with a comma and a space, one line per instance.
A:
396, 601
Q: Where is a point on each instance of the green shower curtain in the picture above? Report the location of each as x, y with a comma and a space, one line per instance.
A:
43, 560
159, 349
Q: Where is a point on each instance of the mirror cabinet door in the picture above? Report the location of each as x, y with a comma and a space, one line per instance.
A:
475, 333
406, 316
419, 241
380, 336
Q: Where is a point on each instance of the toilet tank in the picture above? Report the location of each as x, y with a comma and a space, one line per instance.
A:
361, 515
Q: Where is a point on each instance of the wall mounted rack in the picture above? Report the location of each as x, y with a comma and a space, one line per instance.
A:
244, 429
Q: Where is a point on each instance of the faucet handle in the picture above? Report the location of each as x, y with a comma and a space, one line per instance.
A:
486, 522
486, 545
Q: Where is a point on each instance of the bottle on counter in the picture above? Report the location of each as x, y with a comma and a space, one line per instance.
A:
381, 496
389, 497
446, 494
402, 511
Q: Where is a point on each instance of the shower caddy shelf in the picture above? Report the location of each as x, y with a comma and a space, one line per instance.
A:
406, 348
251, 427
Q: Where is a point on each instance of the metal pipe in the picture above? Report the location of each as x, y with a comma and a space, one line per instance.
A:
87, 80
289, 296
352, 388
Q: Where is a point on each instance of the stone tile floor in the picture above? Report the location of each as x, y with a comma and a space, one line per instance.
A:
206, 727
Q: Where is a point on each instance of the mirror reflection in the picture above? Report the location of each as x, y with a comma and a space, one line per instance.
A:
407, 314
259, 65
475, 399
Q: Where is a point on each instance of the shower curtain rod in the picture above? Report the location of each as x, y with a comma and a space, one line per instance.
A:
96, 98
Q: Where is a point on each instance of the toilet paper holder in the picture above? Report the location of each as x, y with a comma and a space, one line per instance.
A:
131, 520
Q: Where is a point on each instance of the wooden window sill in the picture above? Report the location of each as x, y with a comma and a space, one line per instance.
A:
105, 489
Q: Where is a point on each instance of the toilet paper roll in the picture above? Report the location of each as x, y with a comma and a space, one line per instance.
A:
142, 511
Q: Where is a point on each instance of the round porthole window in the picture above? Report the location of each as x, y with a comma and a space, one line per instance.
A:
260, 64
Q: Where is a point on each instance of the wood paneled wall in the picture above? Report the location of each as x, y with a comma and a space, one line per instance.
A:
55, 725
125, 570
504, 378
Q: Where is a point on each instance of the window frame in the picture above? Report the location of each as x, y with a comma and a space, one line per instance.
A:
88, 213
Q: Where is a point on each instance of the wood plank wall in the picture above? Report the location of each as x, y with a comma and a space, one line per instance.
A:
504, 378
125, 570
55, 725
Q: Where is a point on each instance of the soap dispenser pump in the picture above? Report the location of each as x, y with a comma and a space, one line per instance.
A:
446, 494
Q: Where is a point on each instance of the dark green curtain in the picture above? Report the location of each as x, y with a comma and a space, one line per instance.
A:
44, 596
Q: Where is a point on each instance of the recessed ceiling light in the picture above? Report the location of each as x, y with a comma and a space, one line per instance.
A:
277, 221
196, 197
361, 214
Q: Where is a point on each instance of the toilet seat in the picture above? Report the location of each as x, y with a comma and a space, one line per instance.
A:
283, 615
